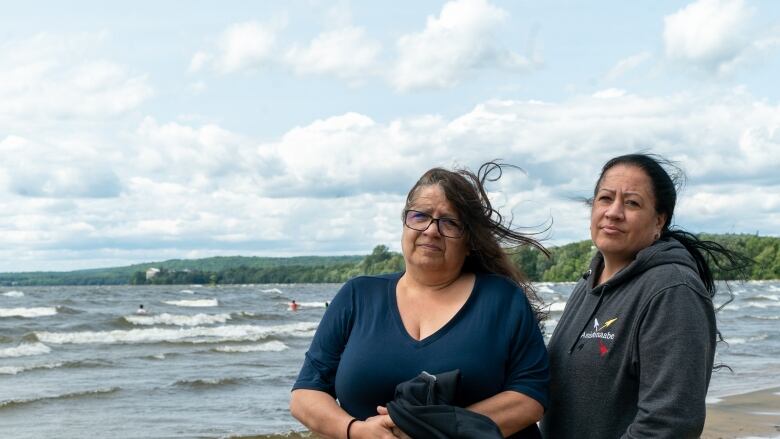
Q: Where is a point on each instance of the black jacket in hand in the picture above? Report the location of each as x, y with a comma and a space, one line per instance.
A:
423, 409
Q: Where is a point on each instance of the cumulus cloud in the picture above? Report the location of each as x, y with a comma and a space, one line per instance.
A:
205, 156
347, 53
33, 169
454, 44
242, 46
708, 33
337, 184
63, 76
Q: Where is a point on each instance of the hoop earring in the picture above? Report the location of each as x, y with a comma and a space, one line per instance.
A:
657, 236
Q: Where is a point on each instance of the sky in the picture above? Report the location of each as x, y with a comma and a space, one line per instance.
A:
151, 130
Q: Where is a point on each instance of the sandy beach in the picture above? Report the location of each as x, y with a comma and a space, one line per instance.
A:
754, 414
749, 415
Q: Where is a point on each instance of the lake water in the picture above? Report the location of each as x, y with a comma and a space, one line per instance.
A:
218, 362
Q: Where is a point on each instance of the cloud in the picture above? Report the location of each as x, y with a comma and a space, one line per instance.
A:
32, 169
346, 53
454, 44
628, 64
242, 46
337, 184
708, 33
50, 76
204, 157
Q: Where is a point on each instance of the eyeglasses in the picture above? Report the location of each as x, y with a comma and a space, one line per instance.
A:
420, 221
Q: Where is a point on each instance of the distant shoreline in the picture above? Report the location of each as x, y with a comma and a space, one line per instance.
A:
565, 264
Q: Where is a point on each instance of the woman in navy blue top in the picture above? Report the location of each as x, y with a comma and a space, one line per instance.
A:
460, 304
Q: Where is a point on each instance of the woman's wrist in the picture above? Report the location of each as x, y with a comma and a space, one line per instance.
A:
349, 427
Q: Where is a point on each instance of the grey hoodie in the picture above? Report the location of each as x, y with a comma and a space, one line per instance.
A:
632, 357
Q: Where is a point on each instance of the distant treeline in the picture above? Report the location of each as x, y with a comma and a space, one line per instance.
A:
566, 263
381, 260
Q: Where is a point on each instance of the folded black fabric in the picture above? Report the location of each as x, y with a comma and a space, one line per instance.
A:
423, 409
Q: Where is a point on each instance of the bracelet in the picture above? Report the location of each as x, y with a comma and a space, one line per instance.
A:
350, 426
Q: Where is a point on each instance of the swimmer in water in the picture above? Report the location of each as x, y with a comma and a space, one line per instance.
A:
293, 306
140, 310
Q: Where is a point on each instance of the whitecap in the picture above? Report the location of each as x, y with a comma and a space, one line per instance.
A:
216, 334
271, 346
14, 293
740, 340
13, 370
177, 319
24, 350
272, 290
199, 303
311, 304
187, 292
557, 307
543, 288
28, 312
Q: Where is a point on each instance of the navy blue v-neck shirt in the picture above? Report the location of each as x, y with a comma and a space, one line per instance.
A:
361, 349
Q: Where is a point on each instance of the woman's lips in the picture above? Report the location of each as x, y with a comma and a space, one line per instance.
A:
429, 246
611, 229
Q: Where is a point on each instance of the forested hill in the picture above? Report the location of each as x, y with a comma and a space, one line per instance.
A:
123, 275
566, 263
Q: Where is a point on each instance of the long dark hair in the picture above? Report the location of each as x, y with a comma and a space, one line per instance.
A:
487, 231
665, 185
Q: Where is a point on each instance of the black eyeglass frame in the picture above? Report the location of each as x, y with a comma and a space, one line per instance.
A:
462, 227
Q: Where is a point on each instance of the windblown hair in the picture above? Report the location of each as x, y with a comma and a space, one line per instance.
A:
665, 188
488, 233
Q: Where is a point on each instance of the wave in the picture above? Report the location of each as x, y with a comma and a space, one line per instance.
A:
177, 319
73, 395
556, 307
68, 310
193, 303
764, 297
311, 304
758, 304
187, 292
543, 288
739, 340
763, 317
272, 290
28, 312
210, 382
14, 293
217, 334
271, 346
25, 350
13, 370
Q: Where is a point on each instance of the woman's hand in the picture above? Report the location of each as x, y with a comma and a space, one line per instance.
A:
396, 431
379, 426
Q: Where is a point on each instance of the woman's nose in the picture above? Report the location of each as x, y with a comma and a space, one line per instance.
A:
433, 227
615, 210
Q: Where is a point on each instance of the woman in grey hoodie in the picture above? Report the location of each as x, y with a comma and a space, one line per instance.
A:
633, 351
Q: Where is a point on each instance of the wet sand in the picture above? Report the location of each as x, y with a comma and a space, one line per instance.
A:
754, 414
